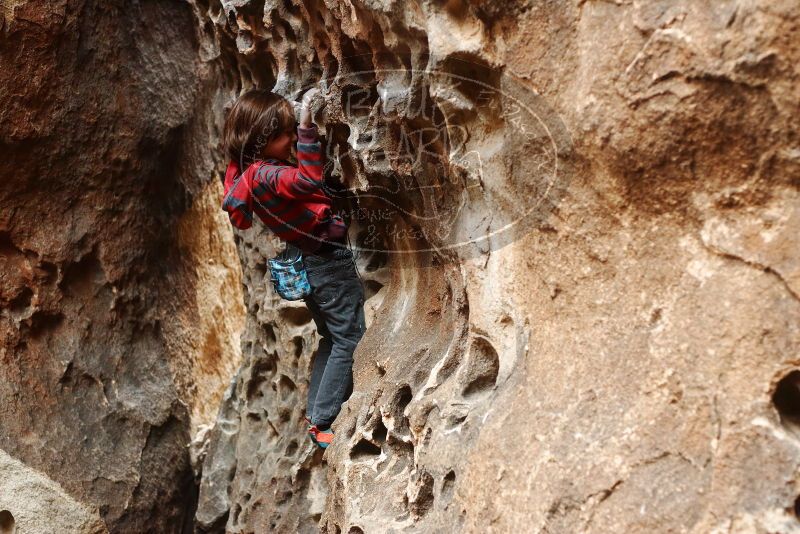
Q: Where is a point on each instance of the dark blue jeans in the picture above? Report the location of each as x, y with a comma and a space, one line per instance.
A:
336, 303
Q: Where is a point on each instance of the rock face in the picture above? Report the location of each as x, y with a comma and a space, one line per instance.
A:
583, 310
577, 223
120, 299
39, 504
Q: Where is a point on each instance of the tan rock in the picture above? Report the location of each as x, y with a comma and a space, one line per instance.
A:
32, 503
120, 301
600, 351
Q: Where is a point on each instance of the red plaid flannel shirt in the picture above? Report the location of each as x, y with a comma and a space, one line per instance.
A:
289, 200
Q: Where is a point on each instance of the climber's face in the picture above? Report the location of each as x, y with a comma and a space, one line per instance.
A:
281, 147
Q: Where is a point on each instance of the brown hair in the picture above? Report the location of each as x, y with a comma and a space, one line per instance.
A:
257, 117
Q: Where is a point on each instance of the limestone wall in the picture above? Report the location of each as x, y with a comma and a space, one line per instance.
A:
586, 291
576, 221
120, 299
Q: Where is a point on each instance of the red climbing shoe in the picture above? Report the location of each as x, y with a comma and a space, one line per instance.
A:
324, 437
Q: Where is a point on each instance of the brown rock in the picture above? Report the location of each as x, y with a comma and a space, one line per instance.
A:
608, 363
576, 224
119, 302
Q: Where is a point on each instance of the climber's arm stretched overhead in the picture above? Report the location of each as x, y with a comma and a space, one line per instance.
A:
297, 183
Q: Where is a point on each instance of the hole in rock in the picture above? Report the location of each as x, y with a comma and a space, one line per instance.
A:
49, 271
288, 31
262, 370
455, 419
236, 511
447, 484
296, 316
331, 68
283, 496
482, 368
390, 60
364, 138
232, 24
655, 316
297, 342
262, 65
284, 414
371, 288
357, 58
7, 247
471, 75
291, 448
355, 530
43, 322
379, 433
399, 447
423, 500
338, 149
285, 387
401, 399
376, 260
364, 450
83, 277
269, 334
22, 301
403, 52
291, 8
786, 399
7, 523
457, 9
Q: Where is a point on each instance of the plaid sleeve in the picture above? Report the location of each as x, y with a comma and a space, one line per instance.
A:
298, 182
238, 202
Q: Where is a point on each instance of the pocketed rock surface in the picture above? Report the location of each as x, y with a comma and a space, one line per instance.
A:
120, 299
577, 223
619, 360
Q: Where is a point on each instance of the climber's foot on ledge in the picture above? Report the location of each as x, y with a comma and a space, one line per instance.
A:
323, 437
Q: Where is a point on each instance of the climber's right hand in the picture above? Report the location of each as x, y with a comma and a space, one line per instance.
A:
305, 107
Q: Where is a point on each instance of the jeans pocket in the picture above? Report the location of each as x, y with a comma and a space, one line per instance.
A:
327, 290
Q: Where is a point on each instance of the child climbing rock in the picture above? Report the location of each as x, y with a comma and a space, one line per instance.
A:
291, 201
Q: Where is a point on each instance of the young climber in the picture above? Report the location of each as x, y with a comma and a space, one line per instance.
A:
291, 201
